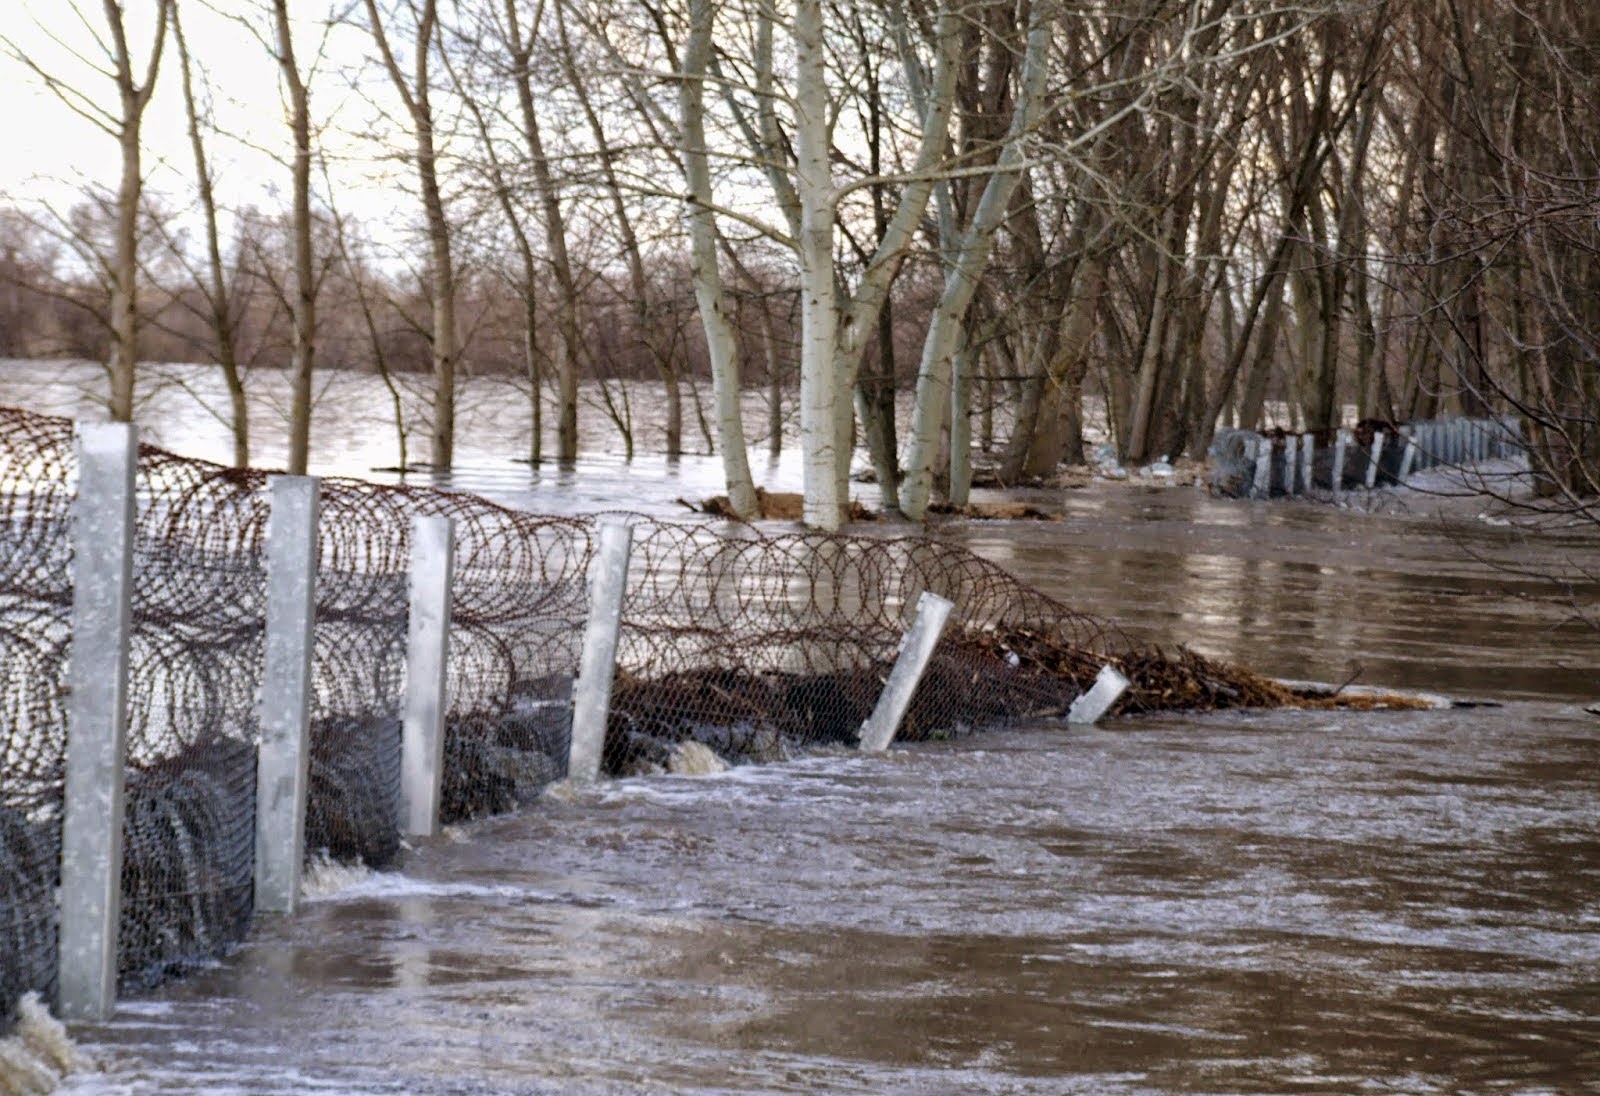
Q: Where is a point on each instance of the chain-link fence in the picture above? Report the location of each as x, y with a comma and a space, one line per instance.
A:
36, 469
736, 644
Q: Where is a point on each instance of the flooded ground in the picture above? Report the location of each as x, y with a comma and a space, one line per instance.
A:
1260, 903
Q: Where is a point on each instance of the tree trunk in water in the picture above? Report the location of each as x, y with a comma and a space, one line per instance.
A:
1150, 364
769, 350
217, 296
875, 396
1254, 397
530, 349
1064, 381
960, 489
441, 269
125, 284
555, 232
961, 280
819, 393
720, 341
444, 310
305, 287
133, 98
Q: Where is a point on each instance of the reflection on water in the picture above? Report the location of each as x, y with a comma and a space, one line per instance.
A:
185, 408
1309, 591
1283, 902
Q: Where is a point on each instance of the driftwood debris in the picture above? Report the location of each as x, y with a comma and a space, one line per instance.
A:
775, 506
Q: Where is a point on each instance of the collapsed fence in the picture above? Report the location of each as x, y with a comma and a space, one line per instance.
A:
752, 645
1374, 453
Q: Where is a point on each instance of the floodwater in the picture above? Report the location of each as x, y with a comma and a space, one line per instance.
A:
1235, 903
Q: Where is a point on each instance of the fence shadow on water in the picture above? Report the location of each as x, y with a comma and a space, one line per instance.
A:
751, 645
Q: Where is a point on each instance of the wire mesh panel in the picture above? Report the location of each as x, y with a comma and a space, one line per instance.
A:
37, 471
199, 610
358, 673
755, 646
519, 602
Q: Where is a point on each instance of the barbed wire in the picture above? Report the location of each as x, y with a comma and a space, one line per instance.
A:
737, 645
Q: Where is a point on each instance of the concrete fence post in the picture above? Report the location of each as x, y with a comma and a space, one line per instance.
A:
1262, 487
916, 648
1109, 684
1373, 459
103, 522
591, 693
284, 756
1341, 441
1410, 453
1291, 465
427, 661
1308, 456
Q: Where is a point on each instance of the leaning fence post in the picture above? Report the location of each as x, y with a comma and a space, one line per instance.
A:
916, 648
591, 693
1109, 684
1374, 457
427, 656
97, 720
283, 759
1409, 455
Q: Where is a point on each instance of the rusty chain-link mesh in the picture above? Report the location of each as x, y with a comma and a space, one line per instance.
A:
737, 645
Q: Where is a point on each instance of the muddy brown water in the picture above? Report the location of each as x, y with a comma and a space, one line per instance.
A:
1235, 903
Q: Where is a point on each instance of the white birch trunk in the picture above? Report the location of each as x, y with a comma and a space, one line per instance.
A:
720, 341
934, 97
961, 280
819, 391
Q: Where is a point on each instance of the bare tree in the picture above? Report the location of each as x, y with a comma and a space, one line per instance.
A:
134, 90
214, 282
415, 93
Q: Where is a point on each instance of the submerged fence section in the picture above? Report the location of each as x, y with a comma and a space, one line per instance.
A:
1245, 464
316, 693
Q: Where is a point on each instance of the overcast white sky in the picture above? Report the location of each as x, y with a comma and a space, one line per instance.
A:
49, 151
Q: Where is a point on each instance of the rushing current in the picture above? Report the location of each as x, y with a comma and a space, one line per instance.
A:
1285, 902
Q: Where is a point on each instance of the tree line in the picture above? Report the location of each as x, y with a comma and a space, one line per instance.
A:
1008, 213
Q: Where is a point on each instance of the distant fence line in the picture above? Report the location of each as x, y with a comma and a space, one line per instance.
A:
1246, 464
